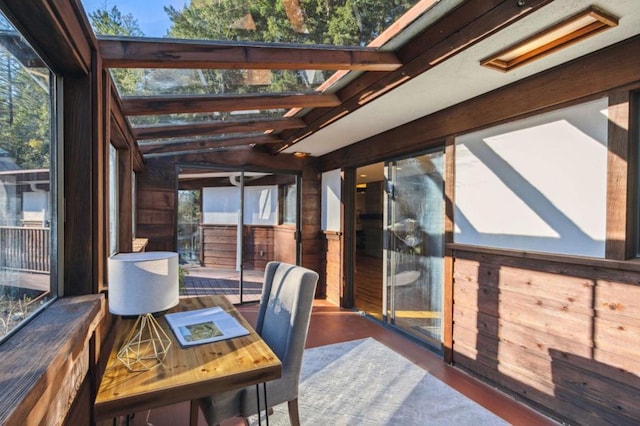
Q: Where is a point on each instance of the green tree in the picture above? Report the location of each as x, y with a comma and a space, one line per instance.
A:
112, 22
338, 22
25, 119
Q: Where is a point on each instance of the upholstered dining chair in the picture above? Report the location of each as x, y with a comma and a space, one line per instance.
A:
283, 322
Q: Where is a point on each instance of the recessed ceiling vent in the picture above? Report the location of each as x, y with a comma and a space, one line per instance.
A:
578, 27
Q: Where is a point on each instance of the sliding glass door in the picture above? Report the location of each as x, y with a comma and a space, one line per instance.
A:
246, 219
414, 245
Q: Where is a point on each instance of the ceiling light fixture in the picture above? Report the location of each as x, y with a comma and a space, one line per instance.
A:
578, 27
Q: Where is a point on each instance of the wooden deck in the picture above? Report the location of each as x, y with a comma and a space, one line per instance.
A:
215, 281
38, 281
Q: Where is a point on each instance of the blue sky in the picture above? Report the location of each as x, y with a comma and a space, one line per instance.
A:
150, 14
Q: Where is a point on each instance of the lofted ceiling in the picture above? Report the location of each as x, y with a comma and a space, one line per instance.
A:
433, 62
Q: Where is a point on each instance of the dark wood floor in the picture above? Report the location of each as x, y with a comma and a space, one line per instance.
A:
331, 324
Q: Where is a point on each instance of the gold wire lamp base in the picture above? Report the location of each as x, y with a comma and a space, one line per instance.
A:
146, 345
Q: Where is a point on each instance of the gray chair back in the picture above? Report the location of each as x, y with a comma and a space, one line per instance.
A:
283, 322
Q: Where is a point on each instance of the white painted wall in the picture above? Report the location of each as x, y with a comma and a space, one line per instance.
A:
35, 206
331, 200
220, 206
537, 184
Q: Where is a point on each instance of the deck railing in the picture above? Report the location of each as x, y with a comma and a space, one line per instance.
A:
25, 248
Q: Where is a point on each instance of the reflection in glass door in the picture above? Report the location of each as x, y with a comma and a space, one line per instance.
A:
246, 219
269, 227
414, 245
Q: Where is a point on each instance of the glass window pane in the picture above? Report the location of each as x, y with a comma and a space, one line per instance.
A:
27, 219
177, 119
113, 200
161, 81
341, 23
301, 22
289, 203
217, 138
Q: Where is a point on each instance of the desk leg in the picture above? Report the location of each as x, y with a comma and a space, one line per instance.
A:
193, 413
266, 405
258, 399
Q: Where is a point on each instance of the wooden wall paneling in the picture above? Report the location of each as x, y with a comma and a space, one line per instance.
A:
311, 219
284, 244
449, 200
633, 178
219, 245
617, 308
156, 204
589, 76
257, 246
80, 186
619, 213
560, 335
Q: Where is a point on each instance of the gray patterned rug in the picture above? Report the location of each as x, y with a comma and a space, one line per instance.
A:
363, 382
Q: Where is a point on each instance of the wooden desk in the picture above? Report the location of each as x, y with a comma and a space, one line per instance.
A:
186, 374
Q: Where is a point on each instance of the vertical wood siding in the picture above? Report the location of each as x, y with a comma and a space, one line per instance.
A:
156, 205
25, 248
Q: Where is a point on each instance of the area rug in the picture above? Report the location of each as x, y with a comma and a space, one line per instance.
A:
362, 382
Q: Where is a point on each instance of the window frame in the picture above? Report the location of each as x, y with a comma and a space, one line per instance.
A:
284, 192
56, 179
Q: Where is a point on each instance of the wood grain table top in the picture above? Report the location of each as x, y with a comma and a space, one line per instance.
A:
186, 373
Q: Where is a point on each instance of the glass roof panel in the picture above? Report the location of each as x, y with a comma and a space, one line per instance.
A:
177, 119
217, 138
160, 81
339, 22
319, 22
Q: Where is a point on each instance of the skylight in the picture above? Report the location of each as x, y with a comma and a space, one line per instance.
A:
339, 23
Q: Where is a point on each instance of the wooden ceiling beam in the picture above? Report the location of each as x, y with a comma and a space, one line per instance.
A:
152, 105
161, 53
200, 144
215, 128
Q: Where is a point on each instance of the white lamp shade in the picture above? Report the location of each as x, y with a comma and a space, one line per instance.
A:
141, 283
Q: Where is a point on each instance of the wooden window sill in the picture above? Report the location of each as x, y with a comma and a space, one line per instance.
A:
43, 365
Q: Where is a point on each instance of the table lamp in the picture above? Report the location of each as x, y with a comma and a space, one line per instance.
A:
141, 284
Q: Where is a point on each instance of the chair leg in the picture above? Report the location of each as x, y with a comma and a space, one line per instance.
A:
294, 415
